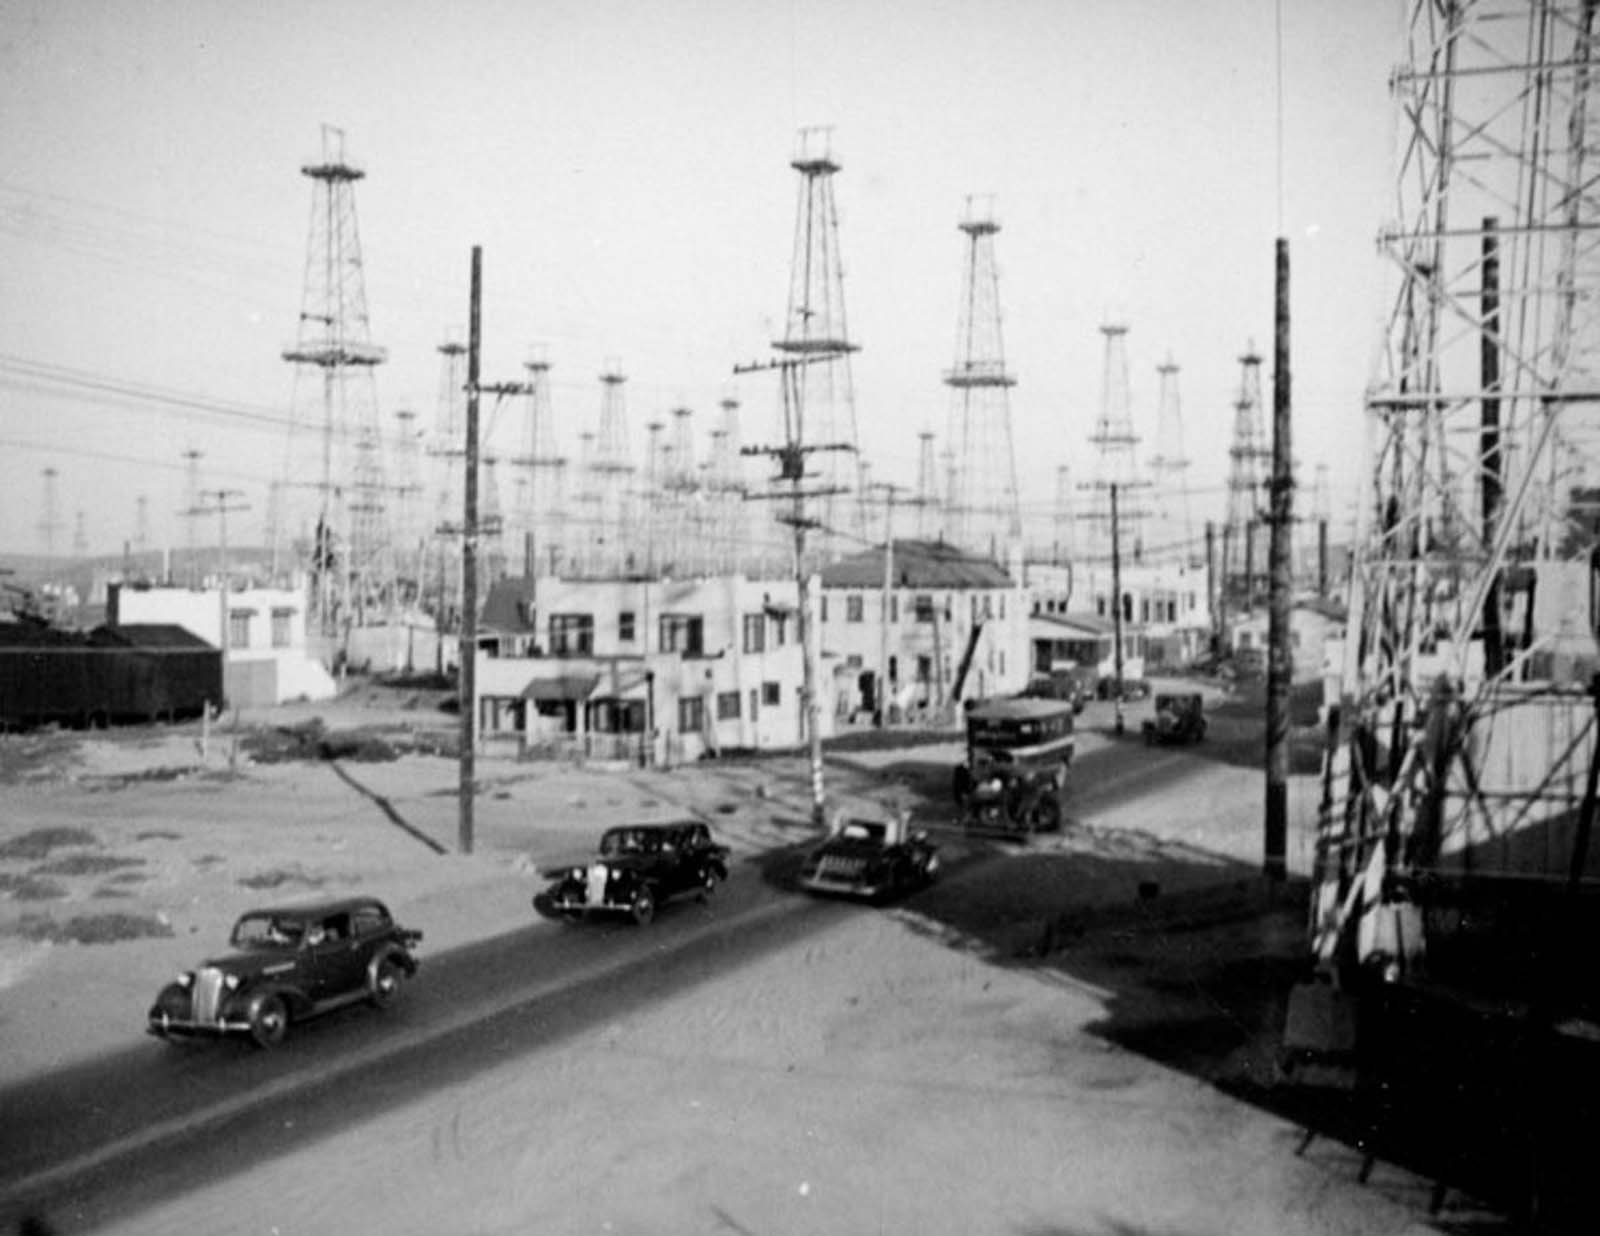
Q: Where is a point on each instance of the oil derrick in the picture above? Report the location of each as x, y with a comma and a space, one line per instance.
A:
985, 512
540, 512
1172, 537
491, 522
448, 454
141, 525
352, 559
1244, 543
586, 507
1455, 834
925, 498
612, 470
1311, 547
1116, 463
682, 482
409, 536
49, 526
192, 510
80, 536
816, 333
1063, 547
726, 540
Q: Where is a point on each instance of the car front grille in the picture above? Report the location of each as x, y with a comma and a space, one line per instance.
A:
595, 893
207, 994
841, 867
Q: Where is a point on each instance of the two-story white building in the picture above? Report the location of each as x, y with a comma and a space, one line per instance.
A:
1166, 606
953, 625
652, 670
267, 660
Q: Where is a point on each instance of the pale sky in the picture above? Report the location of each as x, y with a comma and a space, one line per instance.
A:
625, 166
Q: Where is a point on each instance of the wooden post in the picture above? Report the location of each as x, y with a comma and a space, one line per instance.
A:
1279, 666
1116, 609
467, 676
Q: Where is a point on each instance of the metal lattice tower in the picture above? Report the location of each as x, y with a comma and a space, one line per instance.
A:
352, 556
544, 467
1469, 693
192, 511
410, 535
927, 501
491, 521
1064, 546
612, 467
80, 535
815, 329
985, 511
1244, 554
1116, 461
141, 525
49, 525
1173, 536
729, 545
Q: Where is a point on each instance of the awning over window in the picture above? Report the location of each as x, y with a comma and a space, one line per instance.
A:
561, 687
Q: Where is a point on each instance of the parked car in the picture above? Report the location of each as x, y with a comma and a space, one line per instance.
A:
1059, 686
871, 858
1132, 688
1178, 718
639, 868
287, 965
1012, 800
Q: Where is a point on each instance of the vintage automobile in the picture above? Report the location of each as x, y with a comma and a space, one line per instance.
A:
1178, 718
1013, 800
638, 869
287, 965
1057, 686
871, 858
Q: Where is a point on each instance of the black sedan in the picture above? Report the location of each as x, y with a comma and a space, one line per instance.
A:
873, 859
286, 965
639, 868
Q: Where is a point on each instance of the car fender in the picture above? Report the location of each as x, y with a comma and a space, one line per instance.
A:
394, 953
242, 1003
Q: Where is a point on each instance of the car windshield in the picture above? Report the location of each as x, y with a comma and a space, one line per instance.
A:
629, 841
268, 931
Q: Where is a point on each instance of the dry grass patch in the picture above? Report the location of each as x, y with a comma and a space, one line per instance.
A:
41, 842
91, 928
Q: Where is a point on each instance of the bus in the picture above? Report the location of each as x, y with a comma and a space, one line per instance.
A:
1031, 738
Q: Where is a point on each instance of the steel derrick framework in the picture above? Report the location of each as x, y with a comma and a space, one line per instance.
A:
1467, 727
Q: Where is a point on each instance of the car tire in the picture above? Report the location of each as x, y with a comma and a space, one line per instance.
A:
643, 908
1044, 816
708, 884
269, 1021
385, 984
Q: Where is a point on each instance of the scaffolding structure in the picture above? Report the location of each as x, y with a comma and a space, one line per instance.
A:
352, 558
985, 512
1116, 457
1454, 840
1244, 550
817, 335
541, 477
1172, 528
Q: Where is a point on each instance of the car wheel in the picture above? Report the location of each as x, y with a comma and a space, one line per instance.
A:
708, 884
269, 1021
644, 907
385, 986
1045, 815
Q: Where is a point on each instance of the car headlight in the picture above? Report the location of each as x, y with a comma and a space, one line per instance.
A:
231, 982
185, 979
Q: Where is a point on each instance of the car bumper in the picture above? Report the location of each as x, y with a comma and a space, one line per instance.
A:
163, 1025
551, 906
842, 887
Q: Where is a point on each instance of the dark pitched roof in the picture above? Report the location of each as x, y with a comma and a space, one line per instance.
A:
510, 607
1091, 624
917, 564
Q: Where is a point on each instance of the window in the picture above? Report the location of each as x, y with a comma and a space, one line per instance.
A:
625, 633
894, 609
1002, 607
683, 633
780, 629
571, 634
691, 714
239, 627
824, 604
922, 607
974, 607
924, 669
755, 632
770, 694
282, 627
755, 703
854, 608
727, 706
853, 661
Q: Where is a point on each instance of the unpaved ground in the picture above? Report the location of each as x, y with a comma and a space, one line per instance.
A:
963, 1068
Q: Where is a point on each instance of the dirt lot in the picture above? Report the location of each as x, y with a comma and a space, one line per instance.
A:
1047, 1045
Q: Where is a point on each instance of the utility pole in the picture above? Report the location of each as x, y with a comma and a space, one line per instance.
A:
1211, 585
1279, 668
791, 456
882, 700
468, 677
1116, 607
220, 506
